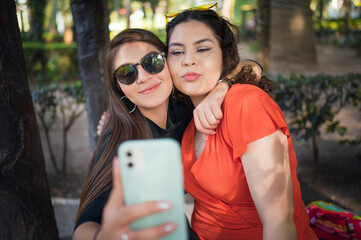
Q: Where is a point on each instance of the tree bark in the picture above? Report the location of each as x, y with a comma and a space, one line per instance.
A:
264, 32
292, 35
92, 34
26, 211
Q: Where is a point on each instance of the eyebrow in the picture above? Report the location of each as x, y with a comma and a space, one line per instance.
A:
197, 42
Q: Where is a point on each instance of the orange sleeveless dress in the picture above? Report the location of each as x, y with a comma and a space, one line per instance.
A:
223, 207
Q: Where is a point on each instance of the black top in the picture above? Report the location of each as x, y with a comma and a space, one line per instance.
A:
177, 121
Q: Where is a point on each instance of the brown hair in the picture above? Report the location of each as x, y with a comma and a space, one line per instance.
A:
120, 124
227, 35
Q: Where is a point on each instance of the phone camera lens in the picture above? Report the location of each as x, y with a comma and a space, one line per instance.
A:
129, 154
130, 164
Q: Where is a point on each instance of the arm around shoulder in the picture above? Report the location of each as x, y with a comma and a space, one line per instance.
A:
208, 113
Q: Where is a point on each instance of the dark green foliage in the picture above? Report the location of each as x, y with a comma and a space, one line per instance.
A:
352, 40
75, 91
50, 63
311, 103
336, 24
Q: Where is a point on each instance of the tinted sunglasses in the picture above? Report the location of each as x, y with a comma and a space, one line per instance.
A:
152, 63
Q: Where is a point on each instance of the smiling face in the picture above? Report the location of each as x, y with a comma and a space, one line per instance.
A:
149, 91
194, 59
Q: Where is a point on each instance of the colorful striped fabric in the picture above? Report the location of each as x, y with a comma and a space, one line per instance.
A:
331, 222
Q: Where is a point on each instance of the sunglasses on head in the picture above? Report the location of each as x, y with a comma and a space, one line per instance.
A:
204, 7
152, 63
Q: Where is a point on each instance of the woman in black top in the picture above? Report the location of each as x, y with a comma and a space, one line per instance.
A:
140, 107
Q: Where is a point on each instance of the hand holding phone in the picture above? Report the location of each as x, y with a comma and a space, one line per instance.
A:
117, 217
152, 171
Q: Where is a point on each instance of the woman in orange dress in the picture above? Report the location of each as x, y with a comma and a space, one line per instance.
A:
243, 178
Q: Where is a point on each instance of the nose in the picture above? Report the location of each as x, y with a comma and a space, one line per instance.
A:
142, 74
189, 59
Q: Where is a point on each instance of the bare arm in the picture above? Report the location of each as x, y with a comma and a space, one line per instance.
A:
117, 217
208, 114
267, 169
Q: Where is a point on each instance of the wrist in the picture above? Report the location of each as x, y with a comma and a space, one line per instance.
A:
221, 81
223, 84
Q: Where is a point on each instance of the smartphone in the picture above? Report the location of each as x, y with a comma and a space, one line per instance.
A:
152, 171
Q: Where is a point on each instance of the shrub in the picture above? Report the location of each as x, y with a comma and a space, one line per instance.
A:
313, 102
50, 63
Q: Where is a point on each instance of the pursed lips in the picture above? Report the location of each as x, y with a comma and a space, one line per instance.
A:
150, 89
191, 76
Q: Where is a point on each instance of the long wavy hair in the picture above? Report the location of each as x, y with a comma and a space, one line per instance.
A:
120, 125
227, 35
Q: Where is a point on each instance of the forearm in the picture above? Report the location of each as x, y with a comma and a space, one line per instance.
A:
85, 231
281, 230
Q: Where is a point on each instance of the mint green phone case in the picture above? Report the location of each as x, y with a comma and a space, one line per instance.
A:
152, 171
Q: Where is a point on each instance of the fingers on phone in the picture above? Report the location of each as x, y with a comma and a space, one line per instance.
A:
117, 184
141, 210
154, 232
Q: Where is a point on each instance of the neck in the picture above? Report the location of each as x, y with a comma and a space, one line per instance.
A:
197, 99
158, 114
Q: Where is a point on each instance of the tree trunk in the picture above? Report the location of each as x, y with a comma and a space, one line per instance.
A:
347, 8
53, 26
316, 154
129, 10
37, 8
292, 35
264, 32
320, 5
26, 211
92, 34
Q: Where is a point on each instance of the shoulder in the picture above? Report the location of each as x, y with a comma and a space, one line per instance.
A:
246, 94
250, 103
